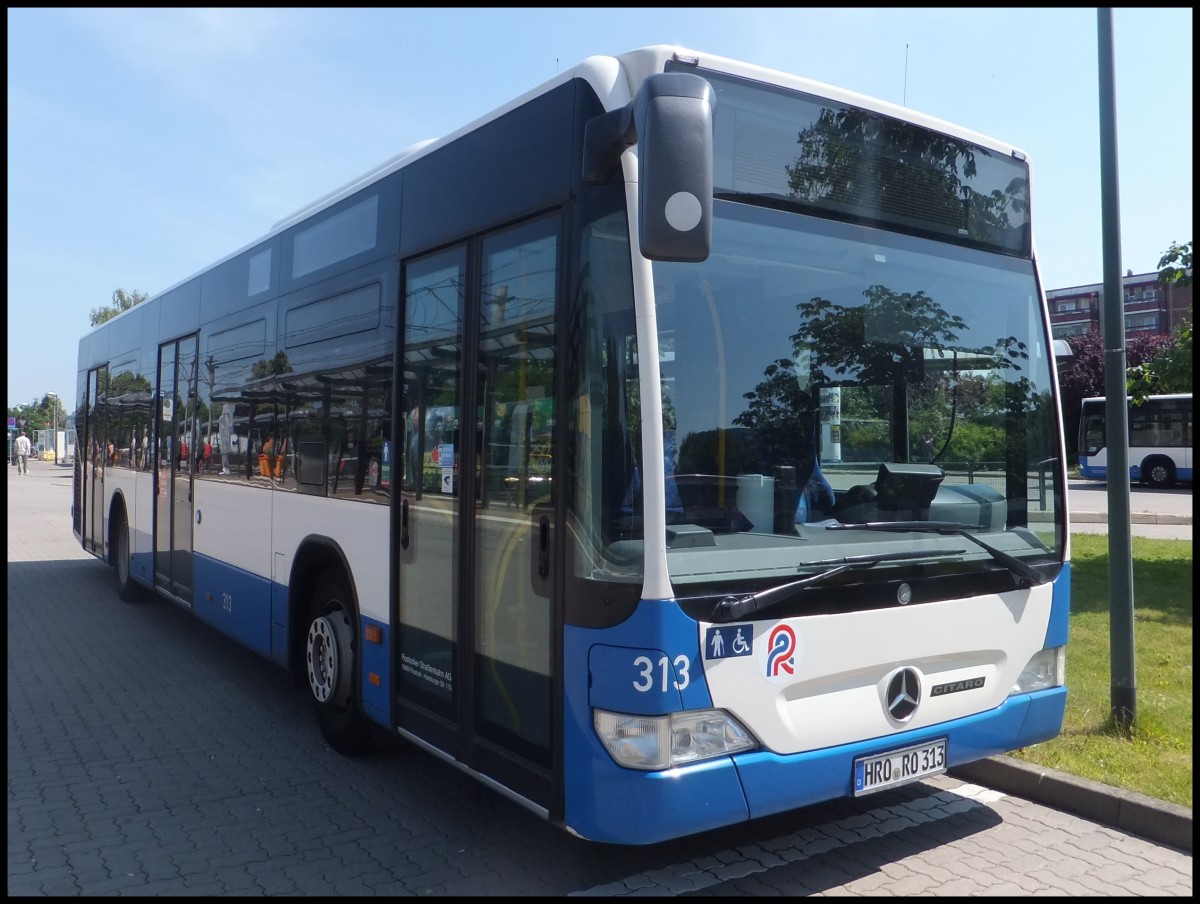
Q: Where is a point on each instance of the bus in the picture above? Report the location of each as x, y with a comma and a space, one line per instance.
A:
527, 448
1160, 440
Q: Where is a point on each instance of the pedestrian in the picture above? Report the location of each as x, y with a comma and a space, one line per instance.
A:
22, 447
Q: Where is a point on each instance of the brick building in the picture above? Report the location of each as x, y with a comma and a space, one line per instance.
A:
1150, 308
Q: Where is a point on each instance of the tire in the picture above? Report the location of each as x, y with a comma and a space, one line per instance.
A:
122, 559
1159, 474
330, 654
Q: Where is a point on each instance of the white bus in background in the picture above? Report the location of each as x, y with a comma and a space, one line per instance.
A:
1160, 440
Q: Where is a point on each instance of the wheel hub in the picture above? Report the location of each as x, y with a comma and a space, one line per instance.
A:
328, 636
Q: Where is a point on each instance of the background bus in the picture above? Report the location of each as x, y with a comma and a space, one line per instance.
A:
1160, 440
676, 445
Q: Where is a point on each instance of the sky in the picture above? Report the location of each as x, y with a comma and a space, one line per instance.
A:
144, 145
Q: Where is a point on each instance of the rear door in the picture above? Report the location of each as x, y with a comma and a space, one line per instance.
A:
174, 466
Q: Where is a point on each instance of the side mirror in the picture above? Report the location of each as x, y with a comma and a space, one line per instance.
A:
670, 120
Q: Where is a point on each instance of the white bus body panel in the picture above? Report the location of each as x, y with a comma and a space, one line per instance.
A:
842, 664
259, 532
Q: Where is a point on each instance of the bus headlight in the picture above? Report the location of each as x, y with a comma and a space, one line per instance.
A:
1046, 668
654, 743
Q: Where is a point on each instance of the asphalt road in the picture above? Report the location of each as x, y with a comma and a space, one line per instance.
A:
150, 755
1162, 514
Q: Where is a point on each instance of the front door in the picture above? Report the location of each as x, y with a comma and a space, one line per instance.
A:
174, 470
476, 639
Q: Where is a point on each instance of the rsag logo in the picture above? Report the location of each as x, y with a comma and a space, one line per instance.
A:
782, 653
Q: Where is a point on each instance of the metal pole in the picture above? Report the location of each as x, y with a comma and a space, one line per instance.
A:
1116, 409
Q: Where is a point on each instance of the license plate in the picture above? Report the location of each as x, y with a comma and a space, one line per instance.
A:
899, 767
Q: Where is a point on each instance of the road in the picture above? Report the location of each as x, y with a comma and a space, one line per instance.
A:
1161, 514
150, 755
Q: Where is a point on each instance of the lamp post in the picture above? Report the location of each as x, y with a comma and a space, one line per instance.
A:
54, 430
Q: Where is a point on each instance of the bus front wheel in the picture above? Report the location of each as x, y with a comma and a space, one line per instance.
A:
330, 657
127, 588
1159, 473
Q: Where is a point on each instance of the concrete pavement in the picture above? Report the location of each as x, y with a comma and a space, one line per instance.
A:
1158, 820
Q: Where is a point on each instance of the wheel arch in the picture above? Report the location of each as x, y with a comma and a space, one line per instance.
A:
116, 506
1148, 464
315, 555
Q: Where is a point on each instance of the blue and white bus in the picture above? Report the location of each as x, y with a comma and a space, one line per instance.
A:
1160, 440
676, 445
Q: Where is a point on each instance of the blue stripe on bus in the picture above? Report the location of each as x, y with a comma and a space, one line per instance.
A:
772, 784
376, 660
141, 568
1060, 610
605, 802
621, 675
233, 601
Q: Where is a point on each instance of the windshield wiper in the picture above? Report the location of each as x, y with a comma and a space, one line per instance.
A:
733, 607
1012, 563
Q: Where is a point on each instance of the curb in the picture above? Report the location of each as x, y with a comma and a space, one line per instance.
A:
1156, 820
1134, 518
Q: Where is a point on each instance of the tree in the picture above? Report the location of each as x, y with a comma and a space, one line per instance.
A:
275, 367
1084, 377
121, 301
39, 415
888, 351
1170, 370
846, 155
1175, 266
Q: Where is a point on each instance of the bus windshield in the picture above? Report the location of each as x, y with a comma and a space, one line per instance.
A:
817, 373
